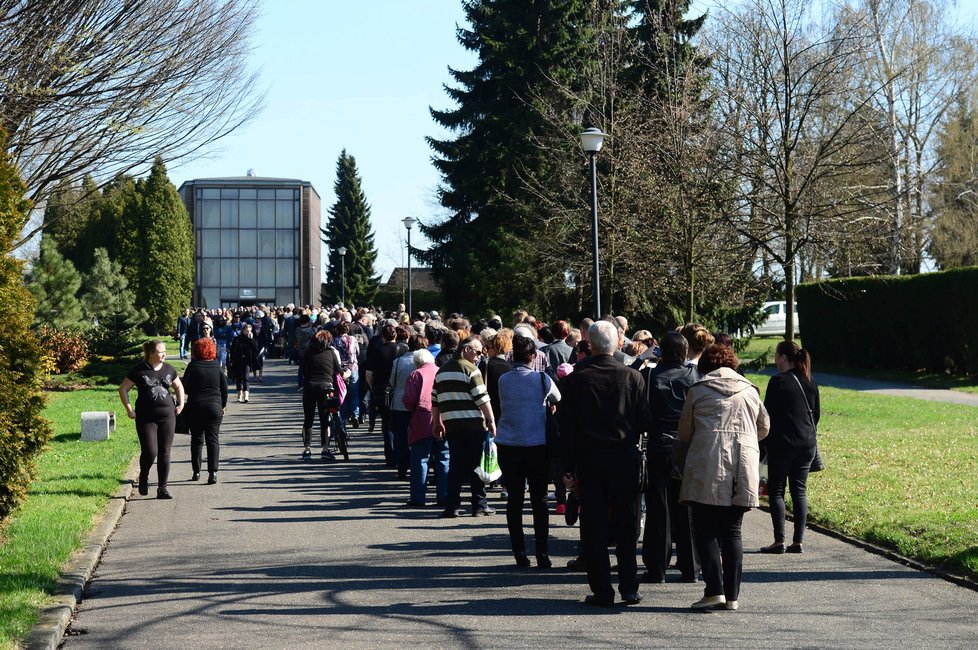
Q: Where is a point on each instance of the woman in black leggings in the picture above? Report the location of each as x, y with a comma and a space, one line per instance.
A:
242, 359
207, 398
792, 402
155, 413
320, 364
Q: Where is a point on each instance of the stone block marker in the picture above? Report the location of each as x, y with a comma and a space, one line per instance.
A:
96, 425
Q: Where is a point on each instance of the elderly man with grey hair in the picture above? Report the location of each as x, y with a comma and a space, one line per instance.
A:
602, 416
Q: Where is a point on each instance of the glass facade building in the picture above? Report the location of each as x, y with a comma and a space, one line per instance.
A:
257, 241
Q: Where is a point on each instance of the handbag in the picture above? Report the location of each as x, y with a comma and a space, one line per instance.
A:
818, 464
182, 423
552, 428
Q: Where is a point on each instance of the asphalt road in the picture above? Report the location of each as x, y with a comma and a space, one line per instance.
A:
283, 553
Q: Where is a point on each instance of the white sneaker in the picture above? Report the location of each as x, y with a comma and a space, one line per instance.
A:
710, 602
732, 605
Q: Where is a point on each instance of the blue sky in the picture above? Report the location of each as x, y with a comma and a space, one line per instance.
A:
354, 75
361, 76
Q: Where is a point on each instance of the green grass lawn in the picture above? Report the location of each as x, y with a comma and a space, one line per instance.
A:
75, 482
900, 473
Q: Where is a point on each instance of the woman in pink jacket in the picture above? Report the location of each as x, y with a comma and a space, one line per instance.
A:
417, 398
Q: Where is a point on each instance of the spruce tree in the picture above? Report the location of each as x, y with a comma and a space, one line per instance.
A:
54, 283
530, 52
157, 250
349, 226
107, 300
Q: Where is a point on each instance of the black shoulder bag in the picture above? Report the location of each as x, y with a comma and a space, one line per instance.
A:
817, 463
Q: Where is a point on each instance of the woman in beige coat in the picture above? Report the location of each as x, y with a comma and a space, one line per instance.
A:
722, 421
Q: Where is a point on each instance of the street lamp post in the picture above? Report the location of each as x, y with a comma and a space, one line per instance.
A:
591, 141
312, 283
409, 223
342, 251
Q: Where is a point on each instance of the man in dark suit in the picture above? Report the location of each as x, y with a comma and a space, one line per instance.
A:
602, 415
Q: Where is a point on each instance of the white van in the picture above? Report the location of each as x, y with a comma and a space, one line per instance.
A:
773, 325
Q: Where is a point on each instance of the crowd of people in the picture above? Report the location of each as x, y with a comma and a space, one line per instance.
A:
609, 420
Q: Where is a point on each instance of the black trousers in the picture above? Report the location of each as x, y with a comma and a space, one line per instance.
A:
241, 376
155, 440
716, 532
464, 454
205, 428
789, 465
522, 466
378, 407
609, 489
666, 521
315, 399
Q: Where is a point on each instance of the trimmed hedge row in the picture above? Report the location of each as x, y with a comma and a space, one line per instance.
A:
920, 322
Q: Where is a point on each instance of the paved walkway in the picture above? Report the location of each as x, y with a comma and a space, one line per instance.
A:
290, 554
893, 388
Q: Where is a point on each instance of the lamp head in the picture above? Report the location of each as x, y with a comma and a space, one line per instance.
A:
409, 222
592, 139
341, 250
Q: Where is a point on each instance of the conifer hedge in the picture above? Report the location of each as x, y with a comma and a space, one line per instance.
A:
920, 322
23, 432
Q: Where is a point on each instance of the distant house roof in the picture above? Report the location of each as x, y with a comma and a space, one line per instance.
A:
422, 279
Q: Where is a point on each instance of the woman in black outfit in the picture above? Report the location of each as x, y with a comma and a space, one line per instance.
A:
793, 404
155, 413
242, 359
320, 364
207, 395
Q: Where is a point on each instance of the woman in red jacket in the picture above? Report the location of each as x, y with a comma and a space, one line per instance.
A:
417, 398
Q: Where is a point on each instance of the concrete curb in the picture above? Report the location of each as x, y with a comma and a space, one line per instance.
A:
48, 632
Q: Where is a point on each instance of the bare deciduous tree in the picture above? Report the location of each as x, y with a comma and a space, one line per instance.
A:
920, 64
105, 86
793, 117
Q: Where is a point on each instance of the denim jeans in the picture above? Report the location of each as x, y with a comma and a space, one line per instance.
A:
351, 405
399, 431
421, 451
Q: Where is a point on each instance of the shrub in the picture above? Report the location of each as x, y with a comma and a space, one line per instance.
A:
920, 322
67, 349
23, 432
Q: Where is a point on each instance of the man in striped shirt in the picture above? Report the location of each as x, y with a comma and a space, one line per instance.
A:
461, 413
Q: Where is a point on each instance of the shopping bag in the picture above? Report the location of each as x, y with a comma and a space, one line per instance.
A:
488, 469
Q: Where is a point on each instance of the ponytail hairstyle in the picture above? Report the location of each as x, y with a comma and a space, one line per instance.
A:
798, 357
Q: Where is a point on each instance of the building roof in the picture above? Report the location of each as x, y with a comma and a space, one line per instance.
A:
422, 279
247, 180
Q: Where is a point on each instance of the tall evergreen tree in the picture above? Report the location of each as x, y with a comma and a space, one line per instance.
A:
157, 251
531, 52
954, 238
107, 300
349, 226
106, 296
54, 283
